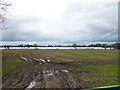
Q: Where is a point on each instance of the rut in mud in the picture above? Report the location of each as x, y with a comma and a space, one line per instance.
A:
42, 73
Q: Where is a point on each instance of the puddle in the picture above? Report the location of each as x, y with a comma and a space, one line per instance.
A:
24, 59
30, 60
32, 84
40, 63
42, 60
56, 72
66, 71
48, 61
48, 73
36, 59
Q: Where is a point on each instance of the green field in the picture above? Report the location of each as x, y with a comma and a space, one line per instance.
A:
94, 67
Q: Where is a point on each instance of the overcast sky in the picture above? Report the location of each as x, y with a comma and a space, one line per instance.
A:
62, 21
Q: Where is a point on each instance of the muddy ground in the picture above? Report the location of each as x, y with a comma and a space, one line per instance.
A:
44, 74
47, 75
40, 73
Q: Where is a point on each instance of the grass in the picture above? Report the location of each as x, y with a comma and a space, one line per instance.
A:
73, 55
100, 75
10, 65
105, 69
100, 83
94, 75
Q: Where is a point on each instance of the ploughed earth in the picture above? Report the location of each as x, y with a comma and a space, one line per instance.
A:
40, 73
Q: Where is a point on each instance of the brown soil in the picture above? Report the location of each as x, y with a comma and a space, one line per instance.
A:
35, 73
38, 71
107, 62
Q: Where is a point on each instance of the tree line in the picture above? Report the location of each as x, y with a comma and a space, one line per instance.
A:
115, 45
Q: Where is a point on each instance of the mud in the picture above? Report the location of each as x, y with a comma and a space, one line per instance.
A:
97, 62
42, 74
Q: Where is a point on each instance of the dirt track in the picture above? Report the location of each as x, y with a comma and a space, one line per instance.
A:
44, 75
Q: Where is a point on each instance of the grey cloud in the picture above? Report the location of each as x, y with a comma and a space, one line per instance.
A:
98, 20
80, 22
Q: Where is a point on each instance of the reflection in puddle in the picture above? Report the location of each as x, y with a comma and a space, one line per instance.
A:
24, 59
32, 84
66, 71
48, 73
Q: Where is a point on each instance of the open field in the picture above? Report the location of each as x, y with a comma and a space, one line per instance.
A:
66, 69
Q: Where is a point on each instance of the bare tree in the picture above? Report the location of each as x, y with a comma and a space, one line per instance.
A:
3, 12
